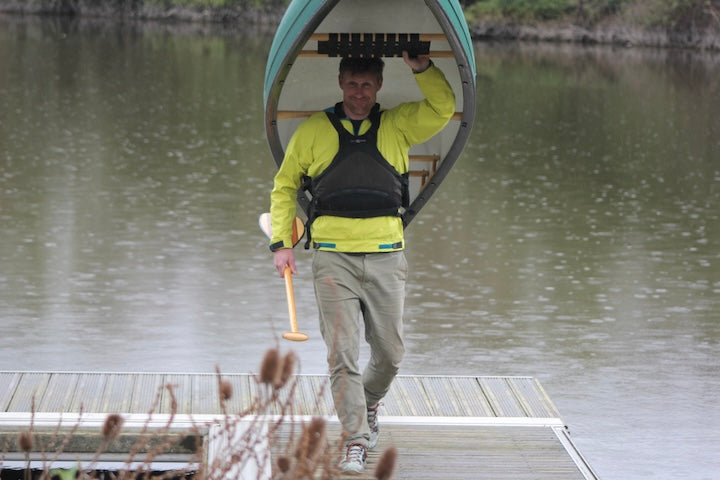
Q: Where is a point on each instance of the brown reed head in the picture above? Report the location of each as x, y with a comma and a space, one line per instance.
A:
288, 365
386, 465
25, 441
283, 464
112, 427
269, 368
312, 439
226, 390
276, 370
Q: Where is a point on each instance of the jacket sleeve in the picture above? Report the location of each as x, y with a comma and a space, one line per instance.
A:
286, 184
419, 121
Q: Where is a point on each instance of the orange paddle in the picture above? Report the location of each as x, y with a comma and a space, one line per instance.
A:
298, 230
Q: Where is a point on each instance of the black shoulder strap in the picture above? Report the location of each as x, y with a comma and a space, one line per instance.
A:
337, 113
335, 120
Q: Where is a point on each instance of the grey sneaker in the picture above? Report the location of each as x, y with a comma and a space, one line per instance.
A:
355, 457
372, 418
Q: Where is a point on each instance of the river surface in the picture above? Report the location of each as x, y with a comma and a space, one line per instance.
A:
576, 241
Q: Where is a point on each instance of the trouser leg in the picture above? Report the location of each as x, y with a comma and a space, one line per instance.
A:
383, 301
347, 286
336, 283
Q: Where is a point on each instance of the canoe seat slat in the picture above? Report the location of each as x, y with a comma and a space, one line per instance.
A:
425, 173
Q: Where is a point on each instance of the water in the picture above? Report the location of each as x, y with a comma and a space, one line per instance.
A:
576, 240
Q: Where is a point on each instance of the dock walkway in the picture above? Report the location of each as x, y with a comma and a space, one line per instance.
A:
444, 427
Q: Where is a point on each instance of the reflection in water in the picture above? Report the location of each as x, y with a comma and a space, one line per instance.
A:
573, 242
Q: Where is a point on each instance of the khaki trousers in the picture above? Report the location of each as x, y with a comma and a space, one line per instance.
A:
350, 288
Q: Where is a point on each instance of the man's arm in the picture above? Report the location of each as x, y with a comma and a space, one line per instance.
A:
282, 212
283, 205
419, 121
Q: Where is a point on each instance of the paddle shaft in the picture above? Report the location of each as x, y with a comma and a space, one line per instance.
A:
293, 334
290, 299
298, 229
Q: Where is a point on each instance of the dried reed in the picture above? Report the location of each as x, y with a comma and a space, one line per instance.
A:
299, 450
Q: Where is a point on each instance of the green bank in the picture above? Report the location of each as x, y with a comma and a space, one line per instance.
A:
657, 23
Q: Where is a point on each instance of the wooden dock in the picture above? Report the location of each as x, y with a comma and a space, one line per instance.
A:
448, 427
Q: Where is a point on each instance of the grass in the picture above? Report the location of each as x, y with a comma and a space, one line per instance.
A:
230, 444
677, 16
520, 9
670, 14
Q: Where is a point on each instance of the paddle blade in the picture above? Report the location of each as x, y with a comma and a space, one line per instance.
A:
298, 230
298, 227
265, 224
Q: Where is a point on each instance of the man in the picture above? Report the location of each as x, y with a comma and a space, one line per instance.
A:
352, 159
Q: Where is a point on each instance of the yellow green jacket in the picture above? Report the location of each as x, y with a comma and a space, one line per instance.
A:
314, 145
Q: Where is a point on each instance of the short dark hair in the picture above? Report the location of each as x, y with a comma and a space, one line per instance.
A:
355, 65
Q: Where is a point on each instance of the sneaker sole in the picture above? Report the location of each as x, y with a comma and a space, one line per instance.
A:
352, 469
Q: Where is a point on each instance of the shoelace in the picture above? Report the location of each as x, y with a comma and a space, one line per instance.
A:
372, 417
355, 453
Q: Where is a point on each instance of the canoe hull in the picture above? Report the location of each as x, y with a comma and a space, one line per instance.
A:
300, 81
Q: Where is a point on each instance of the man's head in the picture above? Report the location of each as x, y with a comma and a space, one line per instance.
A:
354, 65
360, 79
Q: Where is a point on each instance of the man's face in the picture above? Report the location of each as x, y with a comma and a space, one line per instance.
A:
359, 93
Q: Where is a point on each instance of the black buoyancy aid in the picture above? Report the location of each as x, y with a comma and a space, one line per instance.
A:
359, 182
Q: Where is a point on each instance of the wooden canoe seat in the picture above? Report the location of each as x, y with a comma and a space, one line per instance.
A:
366, 45
430, 161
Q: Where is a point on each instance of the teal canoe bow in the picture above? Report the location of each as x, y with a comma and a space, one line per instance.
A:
301, 72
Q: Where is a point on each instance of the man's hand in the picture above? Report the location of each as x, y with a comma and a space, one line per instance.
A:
284, 258
418, 64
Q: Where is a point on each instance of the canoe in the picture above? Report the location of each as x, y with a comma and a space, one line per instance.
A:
301, 72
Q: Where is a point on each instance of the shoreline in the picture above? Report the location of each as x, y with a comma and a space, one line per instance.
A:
613, 34
616, 33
